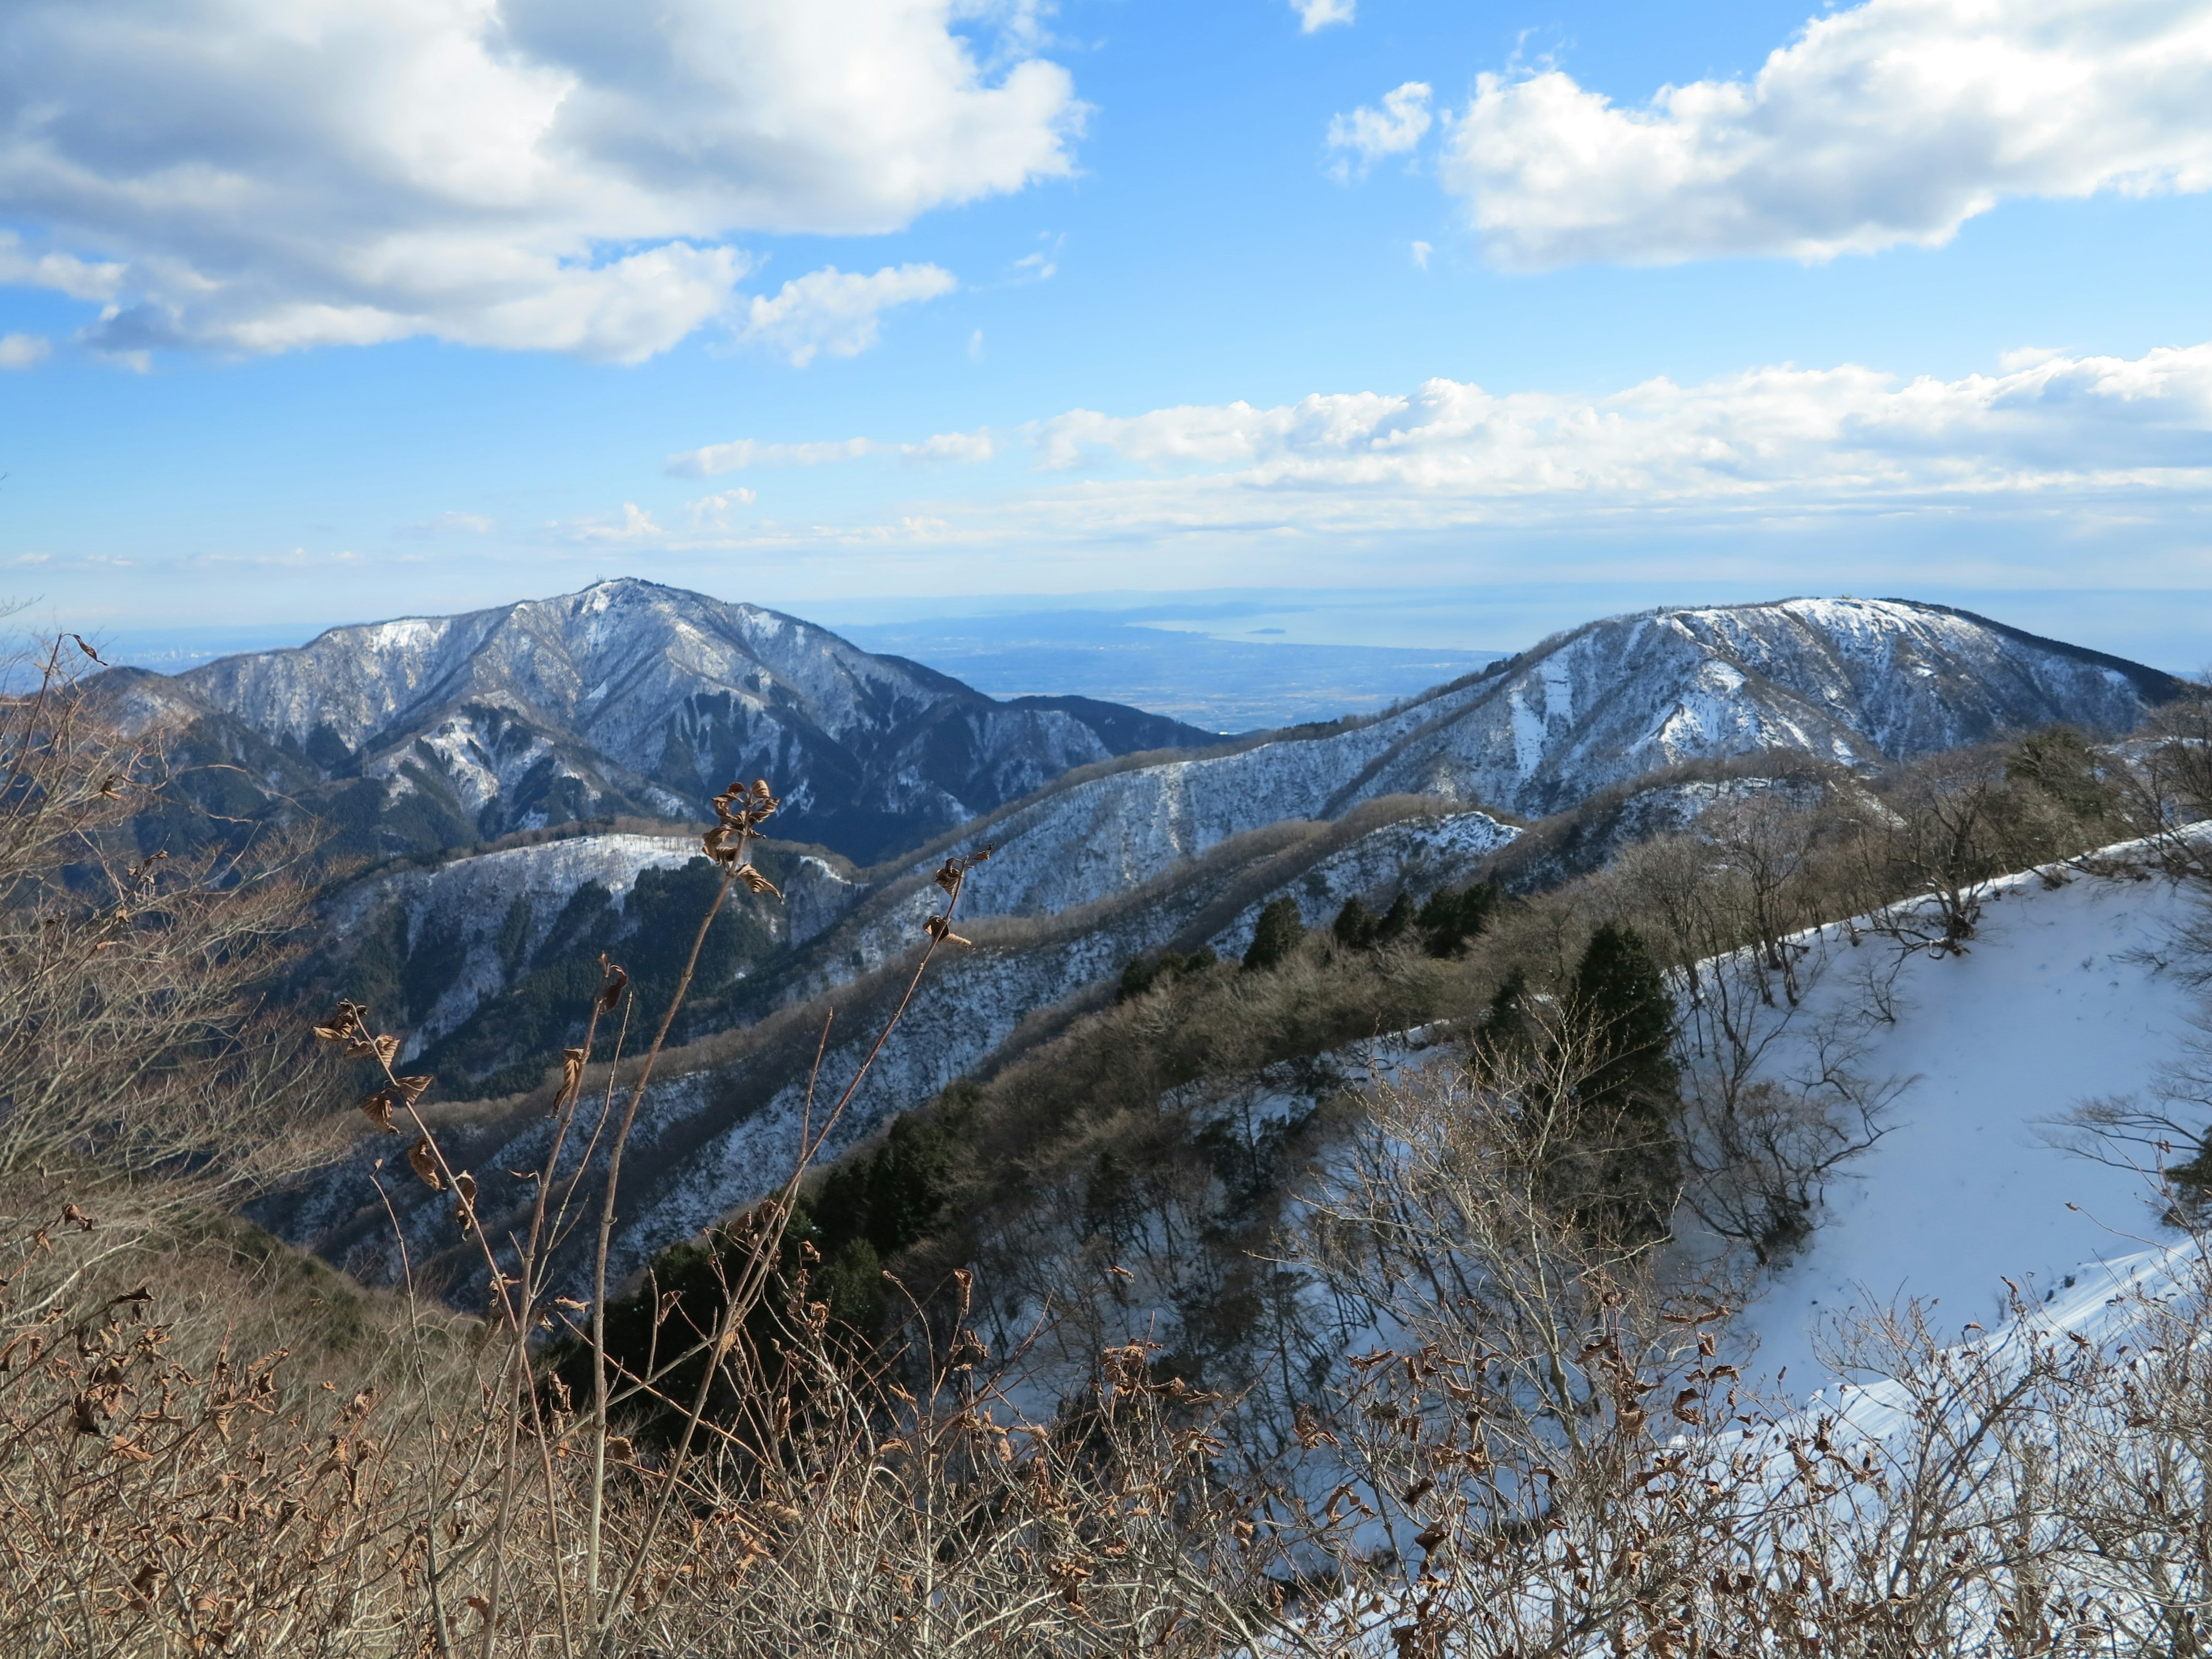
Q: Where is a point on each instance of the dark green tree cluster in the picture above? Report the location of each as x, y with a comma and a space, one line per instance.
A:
1141, 973
1450, 921
1359, 929
1447, 923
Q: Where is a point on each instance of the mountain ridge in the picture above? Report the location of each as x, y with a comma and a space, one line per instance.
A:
633, 697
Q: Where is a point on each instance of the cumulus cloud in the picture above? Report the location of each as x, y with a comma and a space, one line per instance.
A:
1892, 122
838, 311
20, 351
1320, 14
1365, 135
1783, 438
63, 273
258, 175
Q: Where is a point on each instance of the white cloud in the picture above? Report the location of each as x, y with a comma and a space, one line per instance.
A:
1776, 440
1892, 122
715, 460
2058, 433
838, 311
1421, 251
1365, 135
472, 524
968, 447
1320, 14
19, 351
635, 525
712, 512
63, 273
259, 175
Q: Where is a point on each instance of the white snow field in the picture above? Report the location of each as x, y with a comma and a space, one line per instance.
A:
2065, 994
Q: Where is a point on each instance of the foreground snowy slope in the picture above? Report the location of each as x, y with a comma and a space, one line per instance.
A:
2065, 994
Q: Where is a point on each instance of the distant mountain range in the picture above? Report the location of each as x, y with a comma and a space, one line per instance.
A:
627, 698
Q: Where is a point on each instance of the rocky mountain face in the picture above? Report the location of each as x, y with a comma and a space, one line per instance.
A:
632, 698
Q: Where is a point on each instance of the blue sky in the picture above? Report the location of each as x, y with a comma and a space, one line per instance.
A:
1435, 325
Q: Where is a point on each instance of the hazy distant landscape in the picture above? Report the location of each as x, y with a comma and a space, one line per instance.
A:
1226, 684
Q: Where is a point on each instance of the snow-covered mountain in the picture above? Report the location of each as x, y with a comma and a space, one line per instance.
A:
1856, 682
721, 1126
633, 697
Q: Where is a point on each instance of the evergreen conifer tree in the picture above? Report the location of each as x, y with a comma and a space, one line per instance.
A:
1396, 920
1278, 934
1504, 1024
1354, 925
1628, 1101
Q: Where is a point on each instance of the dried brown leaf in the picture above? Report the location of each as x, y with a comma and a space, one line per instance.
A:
618, 981
424, 1161
756, 882
376, 1106
465, 1189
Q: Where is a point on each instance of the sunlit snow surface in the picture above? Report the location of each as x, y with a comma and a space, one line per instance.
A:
2065, 994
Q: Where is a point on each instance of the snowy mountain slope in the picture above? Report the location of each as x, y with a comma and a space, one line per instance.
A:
1857, 683
1417, 857
630, 695
2065, 994
721, 1126
493, 911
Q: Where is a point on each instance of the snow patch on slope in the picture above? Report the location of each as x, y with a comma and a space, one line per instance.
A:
2065, 994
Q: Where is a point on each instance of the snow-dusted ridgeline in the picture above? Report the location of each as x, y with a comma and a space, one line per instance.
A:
472, 898
633, 697
719, 1131
1852, 680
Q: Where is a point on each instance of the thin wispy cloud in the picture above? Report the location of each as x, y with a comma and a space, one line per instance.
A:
530, 175
713, 460
22, 351
1892, 122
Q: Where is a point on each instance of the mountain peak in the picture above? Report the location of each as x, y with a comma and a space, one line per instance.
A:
630, 696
